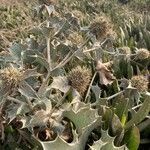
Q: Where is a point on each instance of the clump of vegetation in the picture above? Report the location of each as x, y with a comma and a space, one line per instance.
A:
73, 82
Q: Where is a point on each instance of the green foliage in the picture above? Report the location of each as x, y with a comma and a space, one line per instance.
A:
132, 138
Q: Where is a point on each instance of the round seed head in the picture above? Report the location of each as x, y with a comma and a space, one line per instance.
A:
10, 76
140, 83
142, 54
79, 78
124, 50
101, 28
78, 14
76, 38
4, 53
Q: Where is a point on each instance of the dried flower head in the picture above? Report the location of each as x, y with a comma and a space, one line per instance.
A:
79, 78
11, 76
140, 83
4, 53
78, 14
76, 38
124, 50
142, 54
101, 28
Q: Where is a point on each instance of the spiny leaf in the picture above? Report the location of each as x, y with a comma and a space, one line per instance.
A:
106, 142
47, 31
50, 9
60, 83
41, 60
116, 125
105, 136
97, 145
26, 90
12, 111
60, 144
39, 119
110, 146
82, 117
122, 110
86, 131
142, 112
47, 103
30, 73
97, 92
23, 109
16, 50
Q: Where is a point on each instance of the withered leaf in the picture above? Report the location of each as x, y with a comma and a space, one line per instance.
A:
105, 75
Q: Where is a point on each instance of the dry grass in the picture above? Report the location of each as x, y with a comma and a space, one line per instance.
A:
11, 2
15, 21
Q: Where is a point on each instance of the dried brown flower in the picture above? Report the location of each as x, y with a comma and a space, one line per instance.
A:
124, 50
79, 78
4, 53
101, 28
76, 38
78, 14
106, 77
142, 54
10, 76
140, 83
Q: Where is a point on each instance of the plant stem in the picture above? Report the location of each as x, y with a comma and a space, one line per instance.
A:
136, 106
14, 100
90, 86
48, 52
48, 41
113, 96
107, 98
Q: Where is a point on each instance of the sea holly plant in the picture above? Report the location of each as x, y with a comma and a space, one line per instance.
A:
65, 88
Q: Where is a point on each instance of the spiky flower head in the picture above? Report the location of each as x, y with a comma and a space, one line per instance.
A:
4, 53
76, 38
142, 54
101, 28
124, 50
10, 76
78, 14
79, 78
140, 83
